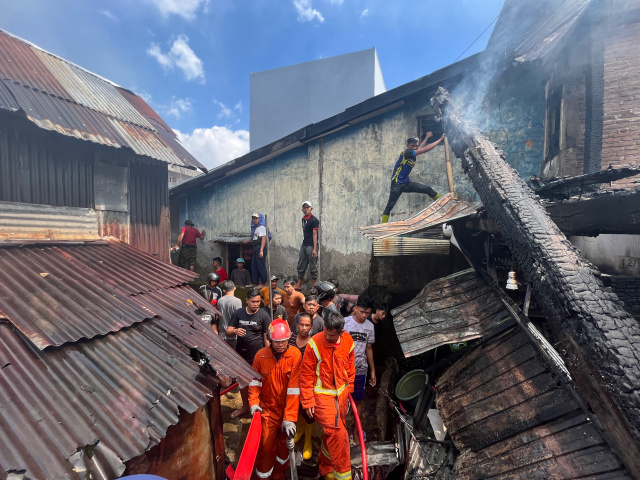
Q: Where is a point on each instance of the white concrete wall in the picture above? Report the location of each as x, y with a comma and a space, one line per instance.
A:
612, 254
286, 99
345, 175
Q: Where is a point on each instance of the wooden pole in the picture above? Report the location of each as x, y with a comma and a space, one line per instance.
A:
266, 226
447, 158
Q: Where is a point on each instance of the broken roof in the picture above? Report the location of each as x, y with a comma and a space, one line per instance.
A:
443, 210
457, 308
59, 96
98, 350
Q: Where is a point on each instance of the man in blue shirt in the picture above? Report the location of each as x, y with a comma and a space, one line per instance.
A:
400, 182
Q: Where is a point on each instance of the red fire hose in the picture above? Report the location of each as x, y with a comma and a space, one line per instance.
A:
363, 447
228, 389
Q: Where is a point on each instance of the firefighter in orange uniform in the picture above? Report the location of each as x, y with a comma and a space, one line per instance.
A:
326, 379
277, 397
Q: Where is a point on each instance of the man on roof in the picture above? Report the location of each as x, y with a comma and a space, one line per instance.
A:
400, 182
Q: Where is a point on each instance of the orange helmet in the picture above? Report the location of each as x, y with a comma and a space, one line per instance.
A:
279, 330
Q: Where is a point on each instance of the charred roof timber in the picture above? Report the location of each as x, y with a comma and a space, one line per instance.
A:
599, 333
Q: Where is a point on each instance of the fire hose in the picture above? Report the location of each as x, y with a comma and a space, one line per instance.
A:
228, 389
363, 447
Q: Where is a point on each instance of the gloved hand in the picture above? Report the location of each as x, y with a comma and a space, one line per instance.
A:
289, 428
254, 409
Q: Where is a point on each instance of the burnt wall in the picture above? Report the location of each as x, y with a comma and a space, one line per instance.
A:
513, 118
621, 122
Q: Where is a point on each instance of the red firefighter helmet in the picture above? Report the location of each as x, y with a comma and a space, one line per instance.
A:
279, 330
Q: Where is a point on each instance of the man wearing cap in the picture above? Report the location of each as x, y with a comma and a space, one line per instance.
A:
240, 276
258, 239
308, 255
188, 236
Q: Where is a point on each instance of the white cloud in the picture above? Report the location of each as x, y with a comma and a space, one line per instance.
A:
216, 145
185, 8
306, 13
228, 112
178, 106
181, 56
364, 13
108, 14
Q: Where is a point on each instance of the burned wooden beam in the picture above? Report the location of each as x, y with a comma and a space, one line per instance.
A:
563, 187
575, 299
605, 211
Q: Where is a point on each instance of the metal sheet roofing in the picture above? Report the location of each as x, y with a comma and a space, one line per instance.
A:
60, 96
443, 210
546, 35
30, 222
118, 392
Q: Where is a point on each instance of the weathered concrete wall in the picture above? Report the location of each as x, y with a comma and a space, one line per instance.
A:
346, 176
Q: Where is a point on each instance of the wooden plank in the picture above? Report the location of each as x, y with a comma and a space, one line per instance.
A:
519, 418
581, 464
501, 401
483, 358
482, 387
551, 447
472, 460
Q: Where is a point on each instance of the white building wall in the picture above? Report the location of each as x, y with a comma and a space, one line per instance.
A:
286, 99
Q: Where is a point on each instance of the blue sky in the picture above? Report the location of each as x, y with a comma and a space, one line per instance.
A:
191, 59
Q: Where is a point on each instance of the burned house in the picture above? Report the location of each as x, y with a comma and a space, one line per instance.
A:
107, 363
547, 387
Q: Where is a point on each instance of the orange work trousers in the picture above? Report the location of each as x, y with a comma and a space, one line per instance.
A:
335, 454
273, 455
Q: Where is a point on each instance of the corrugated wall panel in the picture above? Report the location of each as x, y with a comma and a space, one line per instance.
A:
149, 208
36, 169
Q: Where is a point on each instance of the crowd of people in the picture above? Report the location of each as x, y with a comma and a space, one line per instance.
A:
311, 351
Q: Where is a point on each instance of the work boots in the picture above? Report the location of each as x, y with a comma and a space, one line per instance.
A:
307, 450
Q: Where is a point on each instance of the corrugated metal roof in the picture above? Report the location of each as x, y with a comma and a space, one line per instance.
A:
443, 210
60, 96
388, 247
121, 390
457, 308
130, 269
7, 102
542, 40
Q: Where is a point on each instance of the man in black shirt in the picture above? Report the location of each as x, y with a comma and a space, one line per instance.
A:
400, 182
251, 325
211, 291
309, 250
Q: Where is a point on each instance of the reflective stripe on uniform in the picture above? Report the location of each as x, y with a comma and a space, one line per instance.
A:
342, 476
353, 345
327, 391
314, 347
264, 475
255, 383
293, 391
325, 451
282, 461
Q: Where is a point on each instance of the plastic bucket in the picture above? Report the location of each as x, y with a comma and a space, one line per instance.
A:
409, 387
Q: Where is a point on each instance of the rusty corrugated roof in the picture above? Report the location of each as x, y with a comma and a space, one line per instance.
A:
73, 292
121, 390
60, 96
443, 210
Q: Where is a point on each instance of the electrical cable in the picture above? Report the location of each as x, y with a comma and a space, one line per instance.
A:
472, 43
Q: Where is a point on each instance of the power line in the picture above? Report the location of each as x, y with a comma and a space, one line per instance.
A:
483, 32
